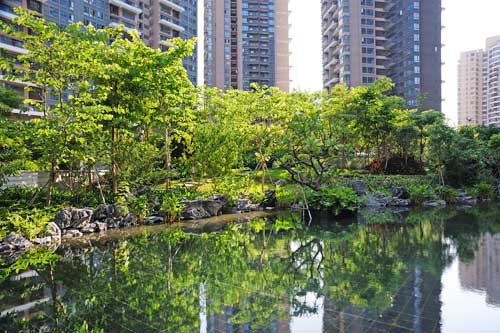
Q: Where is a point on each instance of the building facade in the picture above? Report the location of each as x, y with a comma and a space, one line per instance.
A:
11, 47
479, 85
470, 88
246, 41
491, 84
400, 39
156, 20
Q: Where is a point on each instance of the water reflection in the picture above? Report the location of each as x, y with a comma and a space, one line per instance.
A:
272, 275
483, 272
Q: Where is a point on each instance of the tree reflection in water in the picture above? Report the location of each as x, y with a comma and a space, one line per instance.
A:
249, 276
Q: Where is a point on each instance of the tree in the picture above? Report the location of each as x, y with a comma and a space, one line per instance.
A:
424, 121
174, 98
14, 155
61, 65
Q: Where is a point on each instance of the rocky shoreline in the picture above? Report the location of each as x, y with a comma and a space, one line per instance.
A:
73, 223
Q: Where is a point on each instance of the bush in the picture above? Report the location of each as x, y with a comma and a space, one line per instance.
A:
447, 194
335, 199
139, 206
231, 186
173, 207
484, 191
287, 195
420, 193
27, 223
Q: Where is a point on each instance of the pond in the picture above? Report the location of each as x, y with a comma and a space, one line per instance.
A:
428, 271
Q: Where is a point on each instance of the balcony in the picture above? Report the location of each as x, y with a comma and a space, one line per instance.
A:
128, 5
7, 12
166, 22
172, 5
12, 45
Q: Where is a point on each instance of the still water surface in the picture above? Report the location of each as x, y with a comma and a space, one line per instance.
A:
432, 271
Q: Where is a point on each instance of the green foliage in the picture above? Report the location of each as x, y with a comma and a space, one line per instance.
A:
173, 207
139, 206
287, 195
33, 258
335, 199
446, 193
484, 191
231, 186
420, 193
28, 223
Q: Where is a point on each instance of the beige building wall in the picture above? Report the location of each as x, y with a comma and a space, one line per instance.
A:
225, 51
282, 47
470, 88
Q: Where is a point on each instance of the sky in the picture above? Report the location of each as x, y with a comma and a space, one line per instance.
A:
467, 25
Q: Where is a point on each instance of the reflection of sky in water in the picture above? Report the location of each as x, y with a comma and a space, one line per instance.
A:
311, 323
429, 281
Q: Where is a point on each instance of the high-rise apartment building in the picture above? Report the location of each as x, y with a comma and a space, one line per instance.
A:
155, 20
470, 88
400, 39
491, 82
479, 85
246, 41
11, 47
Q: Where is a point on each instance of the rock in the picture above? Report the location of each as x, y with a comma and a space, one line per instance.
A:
434, 203
193, 210
73, 217
395, 202
6, 249
89, 228
71, 233
128, 221
53, 230
104, 212
269, 199
112, 223
215, 204
14, 243
400, 193
243, 205
376, 200
43, 241
466, 201
154, 220
101, 226
281, 182
359, 187
63, 218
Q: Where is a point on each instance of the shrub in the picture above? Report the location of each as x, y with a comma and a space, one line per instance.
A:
231, 186
139, 206
173, 207
28, 223
420, 193
287, 195
484, 191
447, 194
335, 199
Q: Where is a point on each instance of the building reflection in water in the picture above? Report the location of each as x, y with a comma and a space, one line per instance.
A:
483, 272
416, 307
222, 323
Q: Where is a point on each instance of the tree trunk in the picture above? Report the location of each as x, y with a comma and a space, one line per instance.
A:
168, 158
114, 169
52, 178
